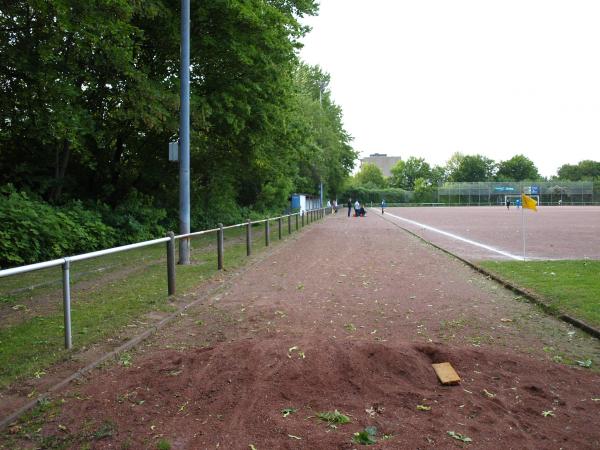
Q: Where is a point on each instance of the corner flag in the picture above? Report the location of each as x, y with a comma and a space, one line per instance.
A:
528, 203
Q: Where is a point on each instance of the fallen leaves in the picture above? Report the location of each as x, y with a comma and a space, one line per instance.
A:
548, 413
296, 349
423, 408
459, 436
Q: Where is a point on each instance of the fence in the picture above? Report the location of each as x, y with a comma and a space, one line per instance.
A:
493, 193
300, 220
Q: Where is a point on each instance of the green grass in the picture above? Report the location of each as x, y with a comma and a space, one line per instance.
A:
106, 307
571, 287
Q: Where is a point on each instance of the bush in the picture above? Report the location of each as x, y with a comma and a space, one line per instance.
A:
367, 195
32, 230
136, 218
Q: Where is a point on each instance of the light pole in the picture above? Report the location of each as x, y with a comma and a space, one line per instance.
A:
184, 135
322, 86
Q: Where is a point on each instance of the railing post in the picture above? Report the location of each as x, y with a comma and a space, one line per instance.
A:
66, 267
267, 233
279, 224
220, 247
302, 219
249, 238
296, 221
289, 224
171, 263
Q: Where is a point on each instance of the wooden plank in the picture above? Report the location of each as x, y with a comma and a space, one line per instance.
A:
446, 373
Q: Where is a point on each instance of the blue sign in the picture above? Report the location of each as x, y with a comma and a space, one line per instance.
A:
535, 190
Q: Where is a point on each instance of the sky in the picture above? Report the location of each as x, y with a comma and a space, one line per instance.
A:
428, 78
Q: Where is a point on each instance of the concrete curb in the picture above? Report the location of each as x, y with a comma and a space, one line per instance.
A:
141, 337
533, 298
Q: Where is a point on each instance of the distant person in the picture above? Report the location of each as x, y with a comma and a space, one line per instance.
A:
362, 212
383, 205
508, 204
329, 205
335, 206
560, 202
518, 203
357, 208
349, 206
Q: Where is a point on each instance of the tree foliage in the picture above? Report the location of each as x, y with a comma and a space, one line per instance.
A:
473, 168
405, 173
370, 176
89, 99
517, 168
584, 170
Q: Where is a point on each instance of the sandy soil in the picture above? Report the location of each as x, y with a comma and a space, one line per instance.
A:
349, 315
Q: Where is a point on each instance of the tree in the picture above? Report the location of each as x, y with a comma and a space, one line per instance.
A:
438, 175
404, 173
583, 170
518, 168
474, 168
453, 164
370, 176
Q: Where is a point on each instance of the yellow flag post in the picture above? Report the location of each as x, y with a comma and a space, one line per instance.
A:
526, 203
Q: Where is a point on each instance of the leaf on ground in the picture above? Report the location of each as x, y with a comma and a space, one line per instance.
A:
287, 411
423, 408
300, 286
459, 437
505, 320
587, 363
294, 437
489, 394
350, 327
548, 413
293, 349
252, 447
365, 437
333, 417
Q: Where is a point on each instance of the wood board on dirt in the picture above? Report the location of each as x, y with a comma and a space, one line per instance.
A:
446, 373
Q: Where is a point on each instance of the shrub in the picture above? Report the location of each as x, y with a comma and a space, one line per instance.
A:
32, 230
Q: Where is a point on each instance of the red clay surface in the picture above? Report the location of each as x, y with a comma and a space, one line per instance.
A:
553, 232
349, 314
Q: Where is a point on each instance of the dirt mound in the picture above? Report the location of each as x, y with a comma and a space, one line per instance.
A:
232, 395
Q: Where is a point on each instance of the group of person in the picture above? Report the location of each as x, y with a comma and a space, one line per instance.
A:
359, 209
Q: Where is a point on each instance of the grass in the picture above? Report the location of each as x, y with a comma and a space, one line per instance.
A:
571, 287
107, 305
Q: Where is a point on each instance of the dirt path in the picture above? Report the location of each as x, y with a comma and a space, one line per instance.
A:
349, 315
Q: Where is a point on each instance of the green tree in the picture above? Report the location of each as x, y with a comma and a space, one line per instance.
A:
474, 168
404, 173
518, 168
370, 176
583, 170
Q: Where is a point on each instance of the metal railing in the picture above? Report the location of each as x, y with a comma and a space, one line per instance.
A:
307, 217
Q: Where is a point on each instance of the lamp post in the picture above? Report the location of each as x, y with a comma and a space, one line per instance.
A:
184, 135
322, 86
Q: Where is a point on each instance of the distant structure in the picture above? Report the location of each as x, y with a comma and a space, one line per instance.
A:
381, 160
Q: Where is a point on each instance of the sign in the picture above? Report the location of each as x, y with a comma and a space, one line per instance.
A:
535, 190
504, 189
174, 151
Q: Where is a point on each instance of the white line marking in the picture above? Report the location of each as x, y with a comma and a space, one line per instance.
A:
458, 238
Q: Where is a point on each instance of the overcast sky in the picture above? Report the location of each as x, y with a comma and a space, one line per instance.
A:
431, 77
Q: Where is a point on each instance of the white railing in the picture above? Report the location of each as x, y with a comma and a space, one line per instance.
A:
307, 217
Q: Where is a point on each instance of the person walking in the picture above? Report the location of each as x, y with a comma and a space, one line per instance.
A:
383, 205
357, 207
349, 206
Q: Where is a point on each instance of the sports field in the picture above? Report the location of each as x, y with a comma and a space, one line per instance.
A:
483, 233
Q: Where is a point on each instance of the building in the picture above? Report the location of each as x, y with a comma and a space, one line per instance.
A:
381, 160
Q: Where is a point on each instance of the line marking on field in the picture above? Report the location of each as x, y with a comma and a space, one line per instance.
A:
458, 238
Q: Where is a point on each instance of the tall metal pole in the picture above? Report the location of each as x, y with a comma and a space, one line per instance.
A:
184, 135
